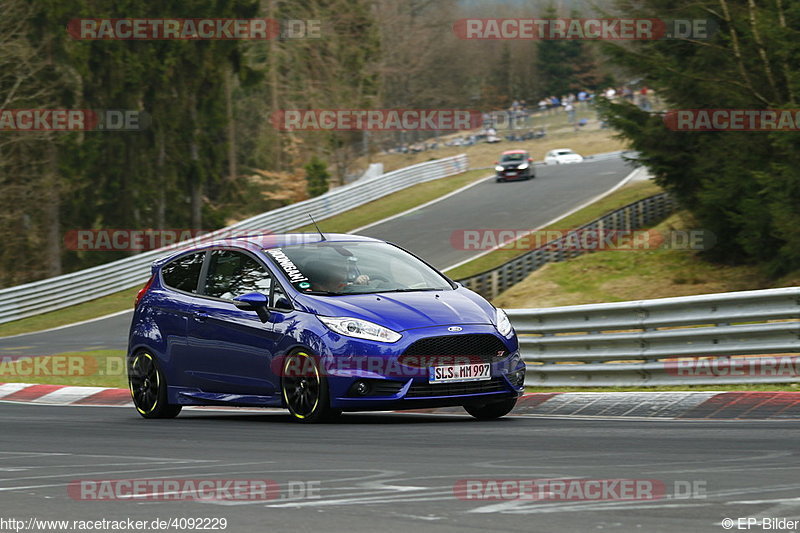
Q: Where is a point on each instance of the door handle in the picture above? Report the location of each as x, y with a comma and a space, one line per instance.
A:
200, 316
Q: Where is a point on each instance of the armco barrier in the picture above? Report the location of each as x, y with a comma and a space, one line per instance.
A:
62, 291
688, 340
633, 216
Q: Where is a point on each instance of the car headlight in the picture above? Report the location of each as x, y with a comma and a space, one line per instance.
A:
361, 329
503, 323
498, 168
523, 166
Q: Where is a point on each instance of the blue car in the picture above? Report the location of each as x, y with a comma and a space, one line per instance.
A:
317, 324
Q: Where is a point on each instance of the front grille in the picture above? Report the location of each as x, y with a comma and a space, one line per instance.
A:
469, 348
422, 389
386, 387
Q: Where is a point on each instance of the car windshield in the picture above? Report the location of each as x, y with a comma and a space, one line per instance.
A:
332, 268
513, 157
564, 152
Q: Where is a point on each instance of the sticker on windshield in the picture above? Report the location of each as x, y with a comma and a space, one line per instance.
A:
291, 270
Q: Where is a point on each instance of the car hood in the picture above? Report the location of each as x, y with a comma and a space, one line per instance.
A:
512, 164
405, 310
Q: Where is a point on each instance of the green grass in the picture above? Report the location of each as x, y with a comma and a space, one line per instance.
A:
612, 276
625, 195
69, 315
792, 387
95, 368
395, 203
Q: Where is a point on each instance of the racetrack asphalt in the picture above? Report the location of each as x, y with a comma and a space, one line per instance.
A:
426, 232
516, 205
396, 472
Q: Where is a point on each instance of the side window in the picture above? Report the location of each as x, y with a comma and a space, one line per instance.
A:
232, 274
184, 272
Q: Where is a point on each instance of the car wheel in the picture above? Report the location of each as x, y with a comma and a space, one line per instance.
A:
149, 388
491, 411
498, 180
305, 389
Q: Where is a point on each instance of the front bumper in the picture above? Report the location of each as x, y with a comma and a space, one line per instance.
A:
394, 380
509, 175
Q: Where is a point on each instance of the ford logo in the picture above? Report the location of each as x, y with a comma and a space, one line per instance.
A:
454, 328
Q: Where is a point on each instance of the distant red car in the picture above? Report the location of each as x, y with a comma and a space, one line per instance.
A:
514, 165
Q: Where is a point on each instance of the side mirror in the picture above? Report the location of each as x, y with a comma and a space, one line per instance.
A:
253, 301
283, 303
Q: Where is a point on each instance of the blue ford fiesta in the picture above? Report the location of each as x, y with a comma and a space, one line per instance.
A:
317, 324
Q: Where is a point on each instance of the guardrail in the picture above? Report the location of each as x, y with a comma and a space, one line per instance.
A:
632, 216
688, 340
69, 289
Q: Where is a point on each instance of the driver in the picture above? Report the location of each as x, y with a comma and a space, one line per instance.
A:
326, 277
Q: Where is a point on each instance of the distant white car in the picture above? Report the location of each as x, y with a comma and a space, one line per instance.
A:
562, 156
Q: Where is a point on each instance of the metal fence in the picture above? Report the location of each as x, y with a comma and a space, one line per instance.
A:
62, 291
633, 216
671, 341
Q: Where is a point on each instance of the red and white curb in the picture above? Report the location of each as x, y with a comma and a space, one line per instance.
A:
64, 395
662, 405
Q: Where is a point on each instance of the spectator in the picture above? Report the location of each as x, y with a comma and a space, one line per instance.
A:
570, 109
627, 93
543, 105
644, 101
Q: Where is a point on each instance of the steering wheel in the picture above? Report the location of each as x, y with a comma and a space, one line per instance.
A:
380, 281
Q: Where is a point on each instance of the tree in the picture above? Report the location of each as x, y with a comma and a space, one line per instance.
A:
744, 187
317, 176
31, 76
565, 65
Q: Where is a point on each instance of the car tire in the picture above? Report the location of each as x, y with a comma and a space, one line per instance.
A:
149, 388
498, 180
304, 389
491, 411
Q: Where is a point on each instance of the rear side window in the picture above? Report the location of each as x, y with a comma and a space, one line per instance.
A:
232, 274
184, 272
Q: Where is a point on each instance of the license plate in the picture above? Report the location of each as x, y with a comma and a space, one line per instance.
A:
458, 373
511, 173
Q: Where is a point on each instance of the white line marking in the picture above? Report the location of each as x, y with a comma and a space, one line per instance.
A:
755, 502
